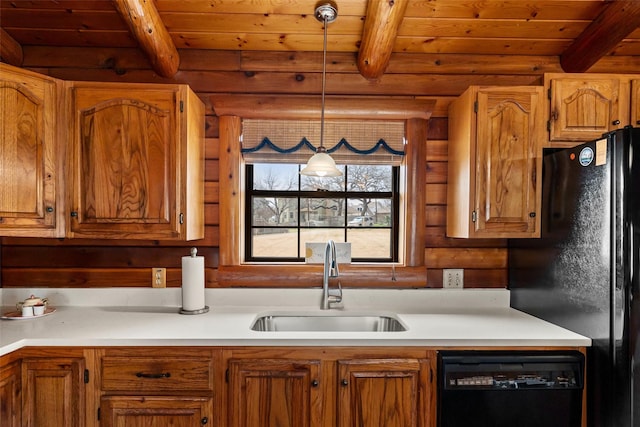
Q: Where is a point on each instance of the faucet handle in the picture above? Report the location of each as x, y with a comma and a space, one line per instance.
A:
335, 295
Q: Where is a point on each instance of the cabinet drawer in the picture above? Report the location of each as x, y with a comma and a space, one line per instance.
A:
156, 374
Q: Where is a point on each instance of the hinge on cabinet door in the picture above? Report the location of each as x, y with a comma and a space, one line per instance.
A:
549, 93
181, 218
226, 375
98, 414
474, 216
475, 106
86, 376
548, 125
181, 106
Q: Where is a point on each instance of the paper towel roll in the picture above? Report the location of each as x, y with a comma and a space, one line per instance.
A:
192, 283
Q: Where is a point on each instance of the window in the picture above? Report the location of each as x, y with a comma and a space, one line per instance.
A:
284, 210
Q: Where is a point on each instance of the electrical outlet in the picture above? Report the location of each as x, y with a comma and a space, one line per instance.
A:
453, 278
159, 277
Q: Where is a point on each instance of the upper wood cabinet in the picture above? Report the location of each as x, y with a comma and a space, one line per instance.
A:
582, 107
496, 136
635, 102
31, 164
100, 160
137, 162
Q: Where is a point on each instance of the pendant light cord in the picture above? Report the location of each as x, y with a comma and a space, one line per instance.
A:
324, 83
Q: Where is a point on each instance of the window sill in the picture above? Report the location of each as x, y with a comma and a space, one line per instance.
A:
305, 276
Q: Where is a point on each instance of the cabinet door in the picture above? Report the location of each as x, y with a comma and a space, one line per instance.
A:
273, 392
508, 162
10, 395
583, 108
383, 393
53, 392
157, 411
29, 164
635, 102
124, 162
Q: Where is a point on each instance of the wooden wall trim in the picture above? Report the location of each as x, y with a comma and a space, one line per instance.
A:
415, 219
230, 202
305, 107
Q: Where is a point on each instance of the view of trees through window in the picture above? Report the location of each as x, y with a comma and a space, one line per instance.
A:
285, 210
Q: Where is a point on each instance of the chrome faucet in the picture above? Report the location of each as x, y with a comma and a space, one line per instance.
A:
330, 296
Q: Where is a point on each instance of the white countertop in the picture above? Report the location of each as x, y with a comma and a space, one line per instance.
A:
150, 317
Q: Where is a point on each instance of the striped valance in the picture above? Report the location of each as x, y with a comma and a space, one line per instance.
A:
295, 141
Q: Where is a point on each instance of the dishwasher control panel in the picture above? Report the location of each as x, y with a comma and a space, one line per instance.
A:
510, 371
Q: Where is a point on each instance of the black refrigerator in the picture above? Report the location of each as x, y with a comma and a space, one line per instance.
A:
583, 273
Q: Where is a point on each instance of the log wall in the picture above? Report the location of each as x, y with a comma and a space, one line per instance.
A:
28, 262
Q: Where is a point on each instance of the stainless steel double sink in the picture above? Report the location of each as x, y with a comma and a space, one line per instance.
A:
327, 322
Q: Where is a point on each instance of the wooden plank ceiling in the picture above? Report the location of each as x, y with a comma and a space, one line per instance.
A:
578, 32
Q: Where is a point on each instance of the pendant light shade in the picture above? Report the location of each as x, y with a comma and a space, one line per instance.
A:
321, 164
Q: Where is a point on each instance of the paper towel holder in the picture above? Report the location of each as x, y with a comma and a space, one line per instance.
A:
205, 309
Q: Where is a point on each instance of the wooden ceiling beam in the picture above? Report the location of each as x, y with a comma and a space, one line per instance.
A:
144, 22
379, 36
10, 49
618, 19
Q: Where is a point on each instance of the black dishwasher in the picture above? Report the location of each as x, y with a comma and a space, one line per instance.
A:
507, 389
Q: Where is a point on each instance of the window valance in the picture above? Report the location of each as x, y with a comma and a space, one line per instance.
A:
348, 141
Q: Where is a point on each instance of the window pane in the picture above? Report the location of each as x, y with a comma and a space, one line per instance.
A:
369, 178
283, 218
369, 212
274, 211
370, 242
274, 242
313, 183
272, 176
321, 212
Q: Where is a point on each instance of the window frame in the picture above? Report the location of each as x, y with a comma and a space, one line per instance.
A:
231, 272
393, 196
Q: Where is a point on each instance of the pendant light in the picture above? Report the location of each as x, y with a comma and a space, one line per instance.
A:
321, 164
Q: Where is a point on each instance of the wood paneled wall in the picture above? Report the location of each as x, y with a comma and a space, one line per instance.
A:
90, 263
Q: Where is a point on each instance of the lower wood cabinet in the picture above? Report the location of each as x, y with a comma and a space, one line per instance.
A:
53, 392
273, 392
10, 395
384, 392
156, 411
219, 387
159, 387
344, 388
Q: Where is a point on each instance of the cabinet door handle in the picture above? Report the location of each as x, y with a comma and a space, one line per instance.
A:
204, 420
314, 383
616, 122
154, 376
344, 382
532, 214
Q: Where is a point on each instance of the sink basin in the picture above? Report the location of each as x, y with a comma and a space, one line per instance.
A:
327, 322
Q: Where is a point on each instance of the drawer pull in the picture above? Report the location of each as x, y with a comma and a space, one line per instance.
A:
154, 376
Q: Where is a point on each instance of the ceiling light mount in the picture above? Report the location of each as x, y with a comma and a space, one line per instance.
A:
327, 12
